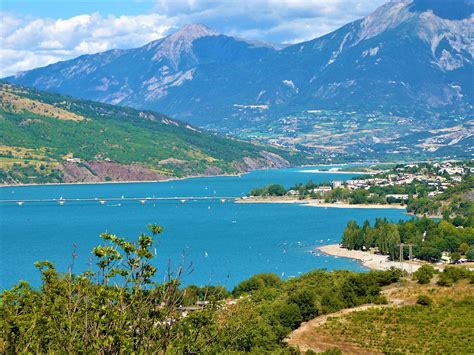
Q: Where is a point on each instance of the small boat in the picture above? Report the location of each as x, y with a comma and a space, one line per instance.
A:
61, 202
20, 203
102, 202
142, 202
222, 200
183, 201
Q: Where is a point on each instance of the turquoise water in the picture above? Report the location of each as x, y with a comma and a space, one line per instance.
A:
216, 243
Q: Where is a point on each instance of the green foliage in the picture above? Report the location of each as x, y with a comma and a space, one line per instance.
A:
453, 274
424, 300
424, 274
430, 238
470, 254
255, 283
270, 190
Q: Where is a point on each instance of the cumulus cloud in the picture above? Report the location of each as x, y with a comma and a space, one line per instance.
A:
284, 21
28, 42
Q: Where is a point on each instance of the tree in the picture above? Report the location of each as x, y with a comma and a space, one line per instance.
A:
351, 236
304, 299
368, 235
359, 196
470, 254
388, 239
424, 274
463, 248
276, 190
455, 257
429, 253
256, 282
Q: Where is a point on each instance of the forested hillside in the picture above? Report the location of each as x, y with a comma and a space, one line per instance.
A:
52, 138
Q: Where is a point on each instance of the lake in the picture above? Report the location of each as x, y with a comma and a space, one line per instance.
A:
218, 243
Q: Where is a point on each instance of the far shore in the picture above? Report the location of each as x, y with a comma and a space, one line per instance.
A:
367, 259
339, 172
318, 203
119, 182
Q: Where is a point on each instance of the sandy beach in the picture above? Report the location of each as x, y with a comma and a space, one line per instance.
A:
372, 261
316, 203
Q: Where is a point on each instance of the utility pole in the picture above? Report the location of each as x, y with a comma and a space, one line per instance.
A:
410, 256
401, 255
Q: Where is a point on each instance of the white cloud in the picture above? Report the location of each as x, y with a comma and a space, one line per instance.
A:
287, 21
31, 42
28, 43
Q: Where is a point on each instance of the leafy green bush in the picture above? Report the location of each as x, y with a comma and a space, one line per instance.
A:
453, 274
424, 300
470, 254
255, 283
424, 274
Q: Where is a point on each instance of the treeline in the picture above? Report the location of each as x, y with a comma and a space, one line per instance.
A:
429, 238
117, 308
307, 191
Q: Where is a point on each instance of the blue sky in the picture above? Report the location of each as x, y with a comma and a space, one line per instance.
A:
66, 8
36, 33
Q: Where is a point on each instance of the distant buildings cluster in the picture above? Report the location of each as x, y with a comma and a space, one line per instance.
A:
437, 176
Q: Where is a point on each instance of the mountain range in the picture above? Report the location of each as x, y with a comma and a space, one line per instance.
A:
47, 137
405, 69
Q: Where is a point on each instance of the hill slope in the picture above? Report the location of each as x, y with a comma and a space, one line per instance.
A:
52, 138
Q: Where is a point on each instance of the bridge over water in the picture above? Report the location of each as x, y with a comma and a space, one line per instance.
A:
103, 201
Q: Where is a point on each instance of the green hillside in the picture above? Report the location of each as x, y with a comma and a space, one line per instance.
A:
46, 137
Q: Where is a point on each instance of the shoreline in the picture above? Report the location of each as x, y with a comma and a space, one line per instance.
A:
316, 203
367, 259
203, 176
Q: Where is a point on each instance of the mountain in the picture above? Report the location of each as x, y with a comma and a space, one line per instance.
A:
404, 69
47, 137
143, 76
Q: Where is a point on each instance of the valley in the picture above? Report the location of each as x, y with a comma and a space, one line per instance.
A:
343, 136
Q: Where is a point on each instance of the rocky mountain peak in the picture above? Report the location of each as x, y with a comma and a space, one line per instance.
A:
180, 42
191, 32
387, 16
432, 13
